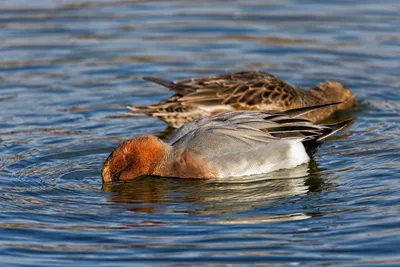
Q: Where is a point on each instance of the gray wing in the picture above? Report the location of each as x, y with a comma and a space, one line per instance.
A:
246, 142
250, 142
239, 131
258, 120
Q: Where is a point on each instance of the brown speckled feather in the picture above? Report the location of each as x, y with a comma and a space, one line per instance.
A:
202, 96
243, 89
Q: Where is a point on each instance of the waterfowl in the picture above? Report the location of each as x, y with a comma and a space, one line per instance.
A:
229, 144
253, 90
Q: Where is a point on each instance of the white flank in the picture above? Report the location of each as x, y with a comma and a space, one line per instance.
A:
275, 156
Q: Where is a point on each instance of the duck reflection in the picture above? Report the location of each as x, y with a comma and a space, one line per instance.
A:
211, 197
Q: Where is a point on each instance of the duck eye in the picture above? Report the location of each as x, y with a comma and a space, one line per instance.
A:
116, 176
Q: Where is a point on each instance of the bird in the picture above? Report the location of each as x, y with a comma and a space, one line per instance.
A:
249, 90
227, 144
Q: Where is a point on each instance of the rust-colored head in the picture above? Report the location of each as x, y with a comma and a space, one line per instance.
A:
331, 91
133, 158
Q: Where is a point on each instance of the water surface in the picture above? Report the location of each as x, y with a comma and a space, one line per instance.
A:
69, 68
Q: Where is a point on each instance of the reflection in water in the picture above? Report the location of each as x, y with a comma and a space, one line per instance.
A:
226, 196
68, 69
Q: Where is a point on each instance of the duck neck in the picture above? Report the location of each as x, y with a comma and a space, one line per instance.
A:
311, 97
163, 163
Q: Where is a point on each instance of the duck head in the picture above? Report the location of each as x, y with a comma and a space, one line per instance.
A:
134, 158
332, 91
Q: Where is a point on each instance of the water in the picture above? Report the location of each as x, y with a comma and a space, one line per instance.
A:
69, 68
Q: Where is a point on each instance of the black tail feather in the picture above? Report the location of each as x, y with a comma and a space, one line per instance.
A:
335, 127
168, 84
312, 145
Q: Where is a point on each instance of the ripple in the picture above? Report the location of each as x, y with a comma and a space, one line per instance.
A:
68, 69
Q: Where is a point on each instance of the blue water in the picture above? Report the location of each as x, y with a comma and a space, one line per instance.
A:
69, 68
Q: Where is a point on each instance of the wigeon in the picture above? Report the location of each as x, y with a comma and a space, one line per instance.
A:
205, 96
229, 144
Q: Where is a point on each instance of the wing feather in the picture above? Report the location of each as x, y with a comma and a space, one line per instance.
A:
255, 129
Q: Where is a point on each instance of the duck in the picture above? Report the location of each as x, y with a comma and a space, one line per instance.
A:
249, 90
227, 144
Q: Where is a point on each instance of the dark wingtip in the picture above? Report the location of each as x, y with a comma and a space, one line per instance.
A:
339, 125
313, 145
150, 78
300, 111
335, 127
165, 83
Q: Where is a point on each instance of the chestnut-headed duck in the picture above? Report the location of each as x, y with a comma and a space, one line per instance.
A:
228, 144
242, 91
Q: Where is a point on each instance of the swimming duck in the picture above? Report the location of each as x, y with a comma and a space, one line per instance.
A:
242, 91
229, 144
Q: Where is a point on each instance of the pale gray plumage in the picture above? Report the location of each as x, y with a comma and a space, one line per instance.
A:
242, 142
